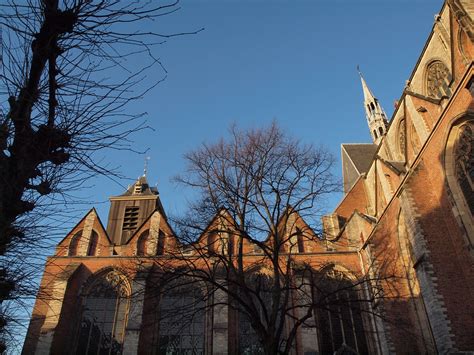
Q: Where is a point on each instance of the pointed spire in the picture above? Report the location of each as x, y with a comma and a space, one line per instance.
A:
368, 96
376, 117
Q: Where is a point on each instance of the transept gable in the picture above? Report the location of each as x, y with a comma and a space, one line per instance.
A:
349, 236
156, 230
87, 238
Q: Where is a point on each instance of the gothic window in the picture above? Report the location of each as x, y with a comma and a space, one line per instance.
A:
300, 239
92, 247
381, 131
402, 138
130, 219
340, 321
142, 243
464, 163
231, 245
212, 242
104, 315
160, 248
249, 344
438, 79
248, 341
375, 134
181, 313
459, 165
74, 244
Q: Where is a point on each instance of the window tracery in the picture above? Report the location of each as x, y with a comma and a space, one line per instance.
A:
459, 165
340, 320
438, 79
464, 164
104, 315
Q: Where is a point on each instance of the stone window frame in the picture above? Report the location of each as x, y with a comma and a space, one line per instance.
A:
460, 206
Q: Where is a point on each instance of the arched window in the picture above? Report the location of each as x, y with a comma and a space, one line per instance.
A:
459, 164
249, 344
104, 311
181, 314
464, 163
92, 247
142, 244
438, 78
74, 244
381, 131
212, 242
160, 248
339, 316
300, 239
248, 340
375, 134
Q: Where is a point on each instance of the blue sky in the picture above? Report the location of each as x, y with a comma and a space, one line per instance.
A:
293, 61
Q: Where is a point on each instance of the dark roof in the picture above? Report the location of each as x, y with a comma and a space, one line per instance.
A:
145, 188
361, 155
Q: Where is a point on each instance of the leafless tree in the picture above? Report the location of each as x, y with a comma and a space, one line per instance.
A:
243, 252
263, 192
69, 68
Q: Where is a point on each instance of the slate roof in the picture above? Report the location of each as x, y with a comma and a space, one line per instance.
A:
361, 155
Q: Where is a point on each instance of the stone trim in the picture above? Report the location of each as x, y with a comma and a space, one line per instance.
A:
434, 303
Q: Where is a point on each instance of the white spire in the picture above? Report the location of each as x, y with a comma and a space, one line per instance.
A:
376, 117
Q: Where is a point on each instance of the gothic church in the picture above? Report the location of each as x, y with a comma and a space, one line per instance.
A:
408, 198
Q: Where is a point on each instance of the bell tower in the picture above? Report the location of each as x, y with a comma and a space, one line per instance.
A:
376, 117
129, 210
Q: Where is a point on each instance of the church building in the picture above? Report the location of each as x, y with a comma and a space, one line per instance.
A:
407, 210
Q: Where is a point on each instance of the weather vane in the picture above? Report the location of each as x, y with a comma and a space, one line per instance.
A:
145, 167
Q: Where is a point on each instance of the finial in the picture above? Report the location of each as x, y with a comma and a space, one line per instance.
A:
145, 167
358, 70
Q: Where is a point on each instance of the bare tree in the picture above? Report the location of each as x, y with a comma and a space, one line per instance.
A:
68, 70
265, 191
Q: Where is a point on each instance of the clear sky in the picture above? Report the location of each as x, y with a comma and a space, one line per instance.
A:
259, 60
